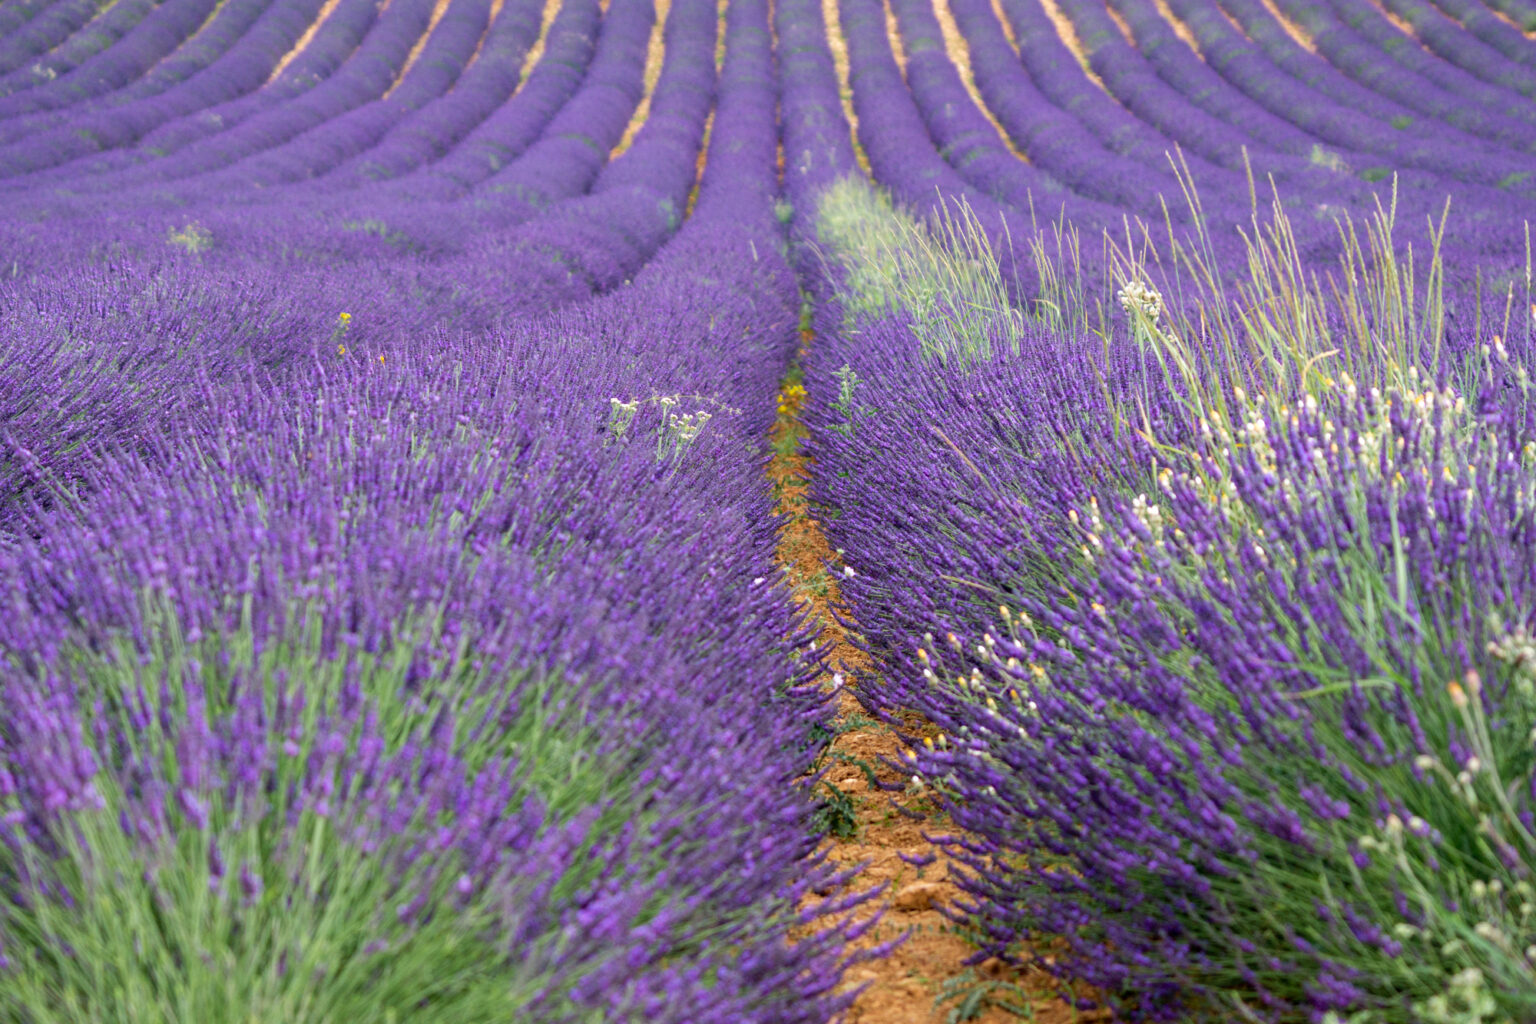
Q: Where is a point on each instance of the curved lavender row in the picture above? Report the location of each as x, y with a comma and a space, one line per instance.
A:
15, 16
105, 27
516, 124
1132, 82
319, 149
343, 30
1358, 45
1311, 70
1492, 222
244, 68
1464, 66
741, 178
575, 144
41, 32
1446, 153
1346, 116
1194, 85
900, 150
202, 50
818, 146
1510, 132
638, 200
663, 154
1052, 139
158, 154
1228, 201
969, 142
40, 37
1489, 225
1464, 48
598, 242
1366, 121
243, 239
199, 51
612, 86
894, 121
364, 75
161, 32
1056, 73
490, 277
1491, 29
1521, 12
1305, 182
483, 87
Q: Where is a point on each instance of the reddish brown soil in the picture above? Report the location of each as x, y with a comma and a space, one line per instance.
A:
905, 987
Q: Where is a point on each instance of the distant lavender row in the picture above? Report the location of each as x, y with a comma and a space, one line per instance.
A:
32, 144
480, 89
318, 150
1152, 81
122, 63
1233, 129
87, 31
181, 119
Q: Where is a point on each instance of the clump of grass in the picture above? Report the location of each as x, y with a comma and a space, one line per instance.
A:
192, 237
943, 276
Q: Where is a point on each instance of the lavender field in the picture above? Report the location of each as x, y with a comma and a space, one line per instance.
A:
767, 511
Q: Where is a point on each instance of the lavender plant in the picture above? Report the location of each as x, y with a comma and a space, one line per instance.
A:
1229, 681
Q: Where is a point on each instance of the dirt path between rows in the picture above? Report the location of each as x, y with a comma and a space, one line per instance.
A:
926, 980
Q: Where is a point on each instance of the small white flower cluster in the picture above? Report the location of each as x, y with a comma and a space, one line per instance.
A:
1466, 1000
621, 415
1517, 650
1138, 296
1150, 516
681, 430
1093, 528
677, 431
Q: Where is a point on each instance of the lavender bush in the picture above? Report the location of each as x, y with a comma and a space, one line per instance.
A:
1218, 619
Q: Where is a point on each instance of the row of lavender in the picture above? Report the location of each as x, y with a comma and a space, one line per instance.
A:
522, 210
449, 126
1216, 599
1367, 103
1331, 140
373, 653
